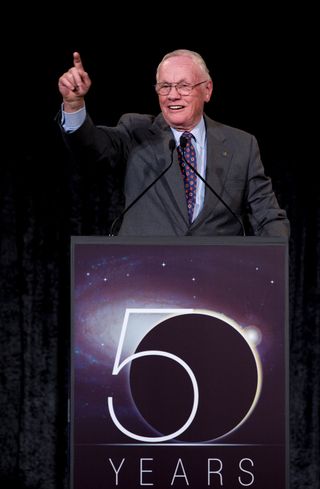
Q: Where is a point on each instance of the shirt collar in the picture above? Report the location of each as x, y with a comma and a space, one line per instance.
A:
199, 133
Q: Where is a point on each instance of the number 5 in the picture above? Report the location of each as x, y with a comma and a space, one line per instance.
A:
118, 367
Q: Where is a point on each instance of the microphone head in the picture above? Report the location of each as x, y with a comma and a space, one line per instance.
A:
183, 142
172, 144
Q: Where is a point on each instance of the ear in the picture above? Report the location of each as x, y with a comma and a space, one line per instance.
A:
208, 91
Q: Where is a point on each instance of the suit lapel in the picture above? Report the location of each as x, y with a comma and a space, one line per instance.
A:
219, 157
173, 183
173, 194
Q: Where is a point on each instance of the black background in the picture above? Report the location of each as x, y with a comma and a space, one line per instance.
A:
261, 62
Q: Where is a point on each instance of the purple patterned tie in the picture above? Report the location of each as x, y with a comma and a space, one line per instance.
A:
189, 177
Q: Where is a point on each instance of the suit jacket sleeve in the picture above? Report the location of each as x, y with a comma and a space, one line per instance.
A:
264, 213
95, 143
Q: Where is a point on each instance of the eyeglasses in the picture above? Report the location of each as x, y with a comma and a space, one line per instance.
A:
181, 87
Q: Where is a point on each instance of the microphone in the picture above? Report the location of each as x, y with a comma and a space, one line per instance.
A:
172, 146
183, 143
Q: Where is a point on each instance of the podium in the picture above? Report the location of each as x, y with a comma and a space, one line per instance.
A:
179, 358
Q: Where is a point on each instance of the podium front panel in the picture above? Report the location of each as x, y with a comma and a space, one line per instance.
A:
179, 363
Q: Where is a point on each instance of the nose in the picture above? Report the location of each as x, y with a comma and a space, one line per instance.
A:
173, 92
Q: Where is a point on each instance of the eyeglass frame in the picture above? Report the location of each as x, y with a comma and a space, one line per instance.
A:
176, 85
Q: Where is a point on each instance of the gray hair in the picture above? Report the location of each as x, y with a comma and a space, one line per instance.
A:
190, 54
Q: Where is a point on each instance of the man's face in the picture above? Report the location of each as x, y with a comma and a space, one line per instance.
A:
183, 112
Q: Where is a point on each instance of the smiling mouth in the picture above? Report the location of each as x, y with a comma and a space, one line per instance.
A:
176, 107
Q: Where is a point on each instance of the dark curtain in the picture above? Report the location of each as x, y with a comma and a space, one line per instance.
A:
46, 197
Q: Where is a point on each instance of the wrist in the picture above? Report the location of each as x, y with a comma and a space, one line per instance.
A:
73, 106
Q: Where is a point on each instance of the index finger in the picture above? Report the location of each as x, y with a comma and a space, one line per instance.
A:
77, 63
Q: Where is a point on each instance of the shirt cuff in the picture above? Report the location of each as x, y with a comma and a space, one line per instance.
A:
71, 121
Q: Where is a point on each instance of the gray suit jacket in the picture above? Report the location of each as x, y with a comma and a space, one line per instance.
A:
234, 170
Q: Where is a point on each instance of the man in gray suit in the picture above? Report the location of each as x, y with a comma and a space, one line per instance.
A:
230, 191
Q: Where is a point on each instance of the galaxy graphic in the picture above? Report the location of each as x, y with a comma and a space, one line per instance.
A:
179, 345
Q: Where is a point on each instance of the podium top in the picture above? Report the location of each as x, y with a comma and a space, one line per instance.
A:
180, 240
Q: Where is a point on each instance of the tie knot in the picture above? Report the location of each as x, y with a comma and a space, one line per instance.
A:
188, 135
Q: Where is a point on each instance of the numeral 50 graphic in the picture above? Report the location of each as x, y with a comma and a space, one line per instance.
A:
194, 376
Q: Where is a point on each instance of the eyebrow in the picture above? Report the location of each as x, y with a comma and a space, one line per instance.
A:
180, 81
